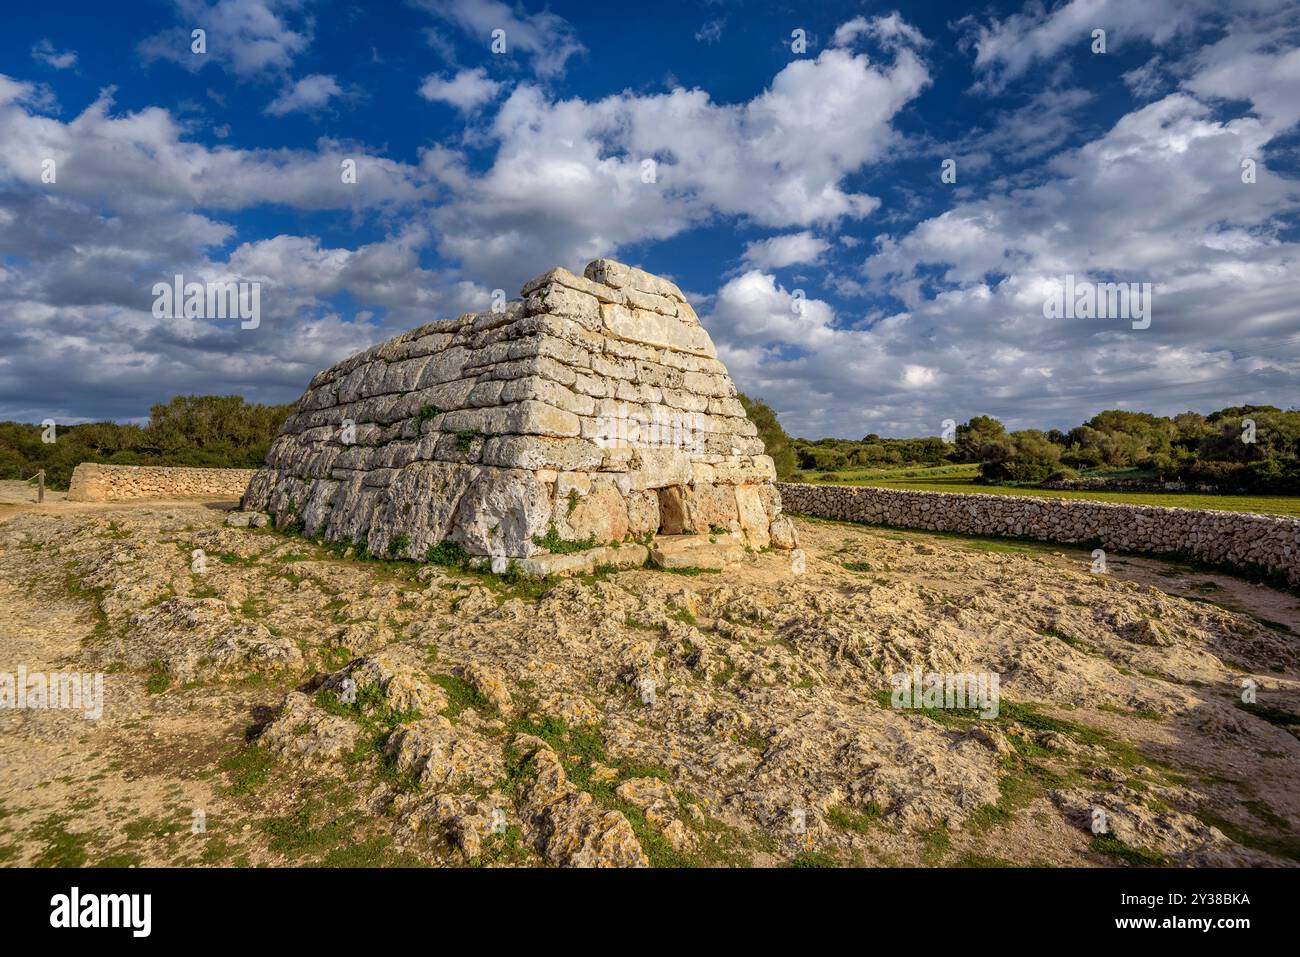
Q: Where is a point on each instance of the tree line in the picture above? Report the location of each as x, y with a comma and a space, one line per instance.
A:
1247, 448
214, 431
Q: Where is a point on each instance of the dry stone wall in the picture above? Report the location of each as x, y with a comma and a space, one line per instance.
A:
120, 483
593, 410
1235, 539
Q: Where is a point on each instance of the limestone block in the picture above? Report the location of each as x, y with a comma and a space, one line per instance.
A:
442, 367
713, 552
542, 366
612, 367
531, 417
551, 393
487, 393
650, 301
713, 506
753, 516
563, 277
636, 351
553, 347
562, 301
581, 563
620, 276
782, 533
651, 328
500, 513
652, 373
663, 466
642, 512
593, 385
540, 452
601, 514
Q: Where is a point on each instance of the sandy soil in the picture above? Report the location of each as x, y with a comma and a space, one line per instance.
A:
741, 718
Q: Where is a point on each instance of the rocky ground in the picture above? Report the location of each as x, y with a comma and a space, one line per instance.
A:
319, 708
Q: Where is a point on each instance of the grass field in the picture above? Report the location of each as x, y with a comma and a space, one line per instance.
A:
962, 478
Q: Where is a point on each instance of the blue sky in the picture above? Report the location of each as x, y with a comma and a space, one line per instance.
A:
780, 175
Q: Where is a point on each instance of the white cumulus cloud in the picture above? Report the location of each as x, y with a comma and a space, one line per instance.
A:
306, 95
467, 90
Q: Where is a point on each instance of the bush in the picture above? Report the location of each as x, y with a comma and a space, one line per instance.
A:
1026, 456
1081, 457
1063, 474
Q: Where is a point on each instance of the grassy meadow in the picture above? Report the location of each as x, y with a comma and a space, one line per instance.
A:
964, 478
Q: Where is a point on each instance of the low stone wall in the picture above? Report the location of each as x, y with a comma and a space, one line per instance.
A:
1235, 539
120, 483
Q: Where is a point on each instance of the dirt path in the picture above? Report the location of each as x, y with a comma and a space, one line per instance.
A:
121, 789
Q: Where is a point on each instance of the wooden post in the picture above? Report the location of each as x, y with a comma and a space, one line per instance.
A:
40, 487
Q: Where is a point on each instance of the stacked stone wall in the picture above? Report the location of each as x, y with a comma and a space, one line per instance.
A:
120, 483
1240, 540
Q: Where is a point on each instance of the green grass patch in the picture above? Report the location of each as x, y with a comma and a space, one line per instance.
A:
580, 749
1112, 846
504, 849
308, 832
812, 859
149, 827
935, 844
248, 769
157, 680
378, 720
376, 851
1068, 639
848, 819
92, 595
556, 545
465, 439
1278, 716
690, 571
1130, 713
959, 718
753, 740
216, 851
1279, 845
461, 695
962, 478
62, 848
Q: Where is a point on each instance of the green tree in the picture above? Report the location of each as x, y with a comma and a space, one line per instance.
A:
775, 441
1025, 456
975, 435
